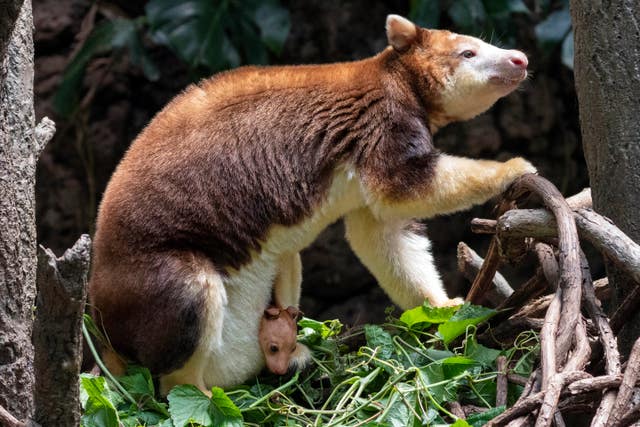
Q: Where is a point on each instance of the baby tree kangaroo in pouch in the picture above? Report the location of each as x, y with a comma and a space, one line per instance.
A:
208, 210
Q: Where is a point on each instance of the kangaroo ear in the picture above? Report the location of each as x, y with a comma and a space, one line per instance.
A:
294, 312
401, 33
272, 313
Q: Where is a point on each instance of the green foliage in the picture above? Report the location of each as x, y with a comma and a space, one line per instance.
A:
113, 37
470, 16
189, 406
495, 18
403, 376
221, 34
206, 35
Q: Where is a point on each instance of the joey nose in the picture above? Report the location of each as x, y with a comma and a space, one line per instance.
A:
518, 59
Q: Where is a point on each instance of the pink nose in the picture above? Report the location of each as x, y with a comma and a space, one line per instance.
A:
518, 59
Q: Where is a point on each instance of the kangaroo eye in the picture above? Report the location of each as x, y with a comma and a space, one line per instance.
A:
273, 348
468, 54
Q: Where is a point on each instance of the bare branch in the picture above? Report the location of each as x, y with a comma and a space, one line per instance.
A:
469, 263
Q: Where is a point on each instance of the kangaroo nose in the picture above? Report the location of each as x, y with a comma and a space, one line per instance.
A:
518, 59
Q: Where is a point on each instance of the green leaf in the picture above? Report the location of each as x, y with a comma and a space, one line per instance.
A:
433, 374
137, 382
274, 23
481, 394
454, 366
478, 420
118, 34
192, 29
326, 329
468, 315
189, 405
435, 354
554, 29
524, 365
480, 353
425, 13
99, 411
518, 6
460, 423
400, 404
567, 50
219, 34
380, 339
468, 15
224, 412
100, 41
502, 8
415, 316
427, 314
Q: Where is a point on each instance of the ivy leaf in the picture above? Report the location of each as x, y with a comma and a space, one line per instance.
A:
468, 315
460, 423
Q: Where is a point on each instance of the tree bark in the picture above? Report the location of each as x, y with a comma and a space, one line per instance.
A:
20, 145
608, 87
57, 333
10, 10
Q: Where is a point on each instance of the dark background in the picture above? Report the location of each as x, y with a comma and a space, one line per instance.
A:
539, 122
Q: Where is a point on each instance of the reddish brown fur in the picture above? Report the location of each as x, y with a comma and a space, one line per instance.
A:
240, 152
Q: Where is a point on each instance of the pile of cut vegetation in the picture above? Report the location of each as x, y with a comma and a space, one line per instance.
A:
425, 368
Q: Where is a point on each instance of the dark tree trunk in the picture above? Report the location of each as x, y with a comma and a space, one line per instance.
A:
20, 145
607, 54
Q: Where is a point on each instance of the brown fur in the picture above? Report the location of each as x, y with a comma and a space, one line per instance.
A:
239, 153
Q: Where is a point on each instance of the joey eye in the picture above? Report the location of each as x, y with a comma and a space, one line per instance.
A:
273, 348
468, 54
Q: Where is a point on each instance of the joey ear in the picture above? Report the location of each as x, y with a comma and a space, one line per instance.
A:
401, 33
272, 313
294, 312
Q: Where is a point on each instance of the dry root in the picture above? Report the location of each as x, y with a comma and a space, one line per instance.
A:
571, 345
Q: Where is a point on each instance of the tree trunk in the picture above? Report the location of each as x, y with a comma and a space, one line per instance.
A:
20, 145
57, 333
608, 86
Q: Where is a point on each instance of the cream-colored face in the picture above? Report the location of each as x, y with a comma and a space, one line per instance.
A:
483, 74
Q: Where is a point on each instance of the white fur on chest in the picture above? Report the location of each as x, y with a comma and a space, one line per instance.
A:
234, 355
